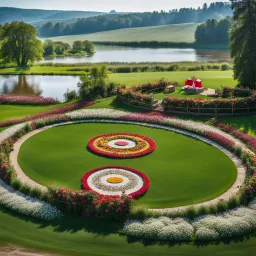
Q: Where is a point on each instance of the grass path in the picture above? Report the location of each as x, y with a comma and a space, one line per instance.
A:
167, 33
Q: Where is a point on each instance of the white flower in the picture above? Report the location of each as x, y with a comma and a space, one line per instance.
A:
26, 205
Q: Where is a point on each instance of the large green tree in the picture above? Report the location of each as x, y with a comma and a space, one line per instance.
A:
243, 42
20, 44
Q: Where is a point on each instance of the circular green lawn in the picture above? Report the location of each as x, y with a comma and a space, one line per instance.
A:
182, 170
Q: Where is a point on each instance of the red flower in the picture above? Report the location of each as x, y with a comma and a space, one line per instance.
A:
119, 153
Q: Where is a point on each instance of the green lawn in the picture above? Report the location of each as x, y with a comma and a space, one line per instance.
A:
166, 33
44, 70
182, 170
211, 79
76, 237
9, 112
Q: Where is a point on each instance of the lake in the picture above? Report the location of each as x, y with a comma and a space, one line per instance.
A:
133, 54
47, 86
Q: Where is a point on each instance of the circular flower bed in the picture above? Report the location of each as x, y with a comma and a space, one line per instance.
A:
115, 181
122, 145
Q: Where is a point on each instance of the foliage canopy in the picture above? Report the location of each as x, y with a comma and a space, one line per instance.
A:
19, 43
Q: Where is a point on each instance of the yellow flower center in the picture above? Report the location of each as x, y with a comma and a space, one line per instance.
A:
115, 180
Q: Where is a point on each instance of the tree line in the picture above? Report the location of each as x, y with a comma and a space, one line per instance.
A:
216, 10
213, 31
52, 48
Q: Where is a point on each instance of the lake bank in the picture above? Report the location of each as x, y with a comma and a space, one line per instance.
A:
77, 69
116, 53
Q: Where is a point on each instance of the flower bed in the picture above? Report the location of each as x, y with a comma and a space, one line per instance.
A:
237, 222
130, 181
249, 140
236, 92
137, 145
139, 95
26, 205
234, 105
27, 100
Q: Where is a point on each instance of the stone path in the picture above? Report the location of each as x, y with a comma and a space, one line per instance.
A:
241, 170
14, 159
208, 92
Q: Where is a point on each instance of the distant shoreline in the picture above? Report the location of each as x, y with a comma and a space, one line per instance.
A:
159, 44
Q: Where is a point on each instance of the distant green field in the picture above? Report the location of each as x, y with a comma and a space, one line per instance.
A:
167, 33
211, 79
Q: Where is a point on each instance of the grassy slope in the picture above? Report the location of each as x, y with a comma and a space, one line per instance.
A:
9, 112
174, 183
168, 33
94, 237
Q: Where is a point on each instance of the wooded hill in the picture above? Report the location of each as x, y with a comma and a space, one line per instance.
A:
34, 15
218, 10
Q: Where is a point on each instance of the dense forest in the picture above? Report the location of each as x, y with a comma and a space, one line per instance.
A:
218, 10
213, 31
8, 14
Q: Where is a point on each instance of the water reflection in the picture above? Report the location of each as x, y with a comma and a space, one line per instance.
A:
47, 86
133, 54
20, 86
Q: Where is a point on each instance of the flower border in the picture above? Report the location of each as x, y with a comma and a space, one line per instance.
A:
136, 194
152, 146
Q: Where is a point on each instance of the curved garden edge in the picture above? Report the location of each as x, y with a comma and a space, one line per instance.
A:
241, 170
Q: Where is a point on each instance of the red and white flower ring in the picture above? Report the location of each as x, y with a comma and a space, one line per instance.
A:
122, 145
128, 181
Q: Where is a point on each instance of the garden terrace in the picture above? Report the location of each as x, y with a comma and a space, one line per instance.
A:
142, 95
214, 107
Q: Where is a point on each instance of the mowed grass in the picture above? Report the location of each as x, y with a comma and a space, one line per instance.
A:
44, 70
182, 170
79, 237
211, 79
8, 112
166, 33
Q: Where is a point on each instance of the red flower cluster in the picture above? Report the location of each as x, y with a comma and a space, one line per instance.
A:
246, 138
219, 139
26, 100
109, 207
58, 110
108, 151
140, 192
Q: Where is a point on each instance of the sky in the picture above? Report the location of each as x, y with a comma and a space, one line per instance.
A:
104, 5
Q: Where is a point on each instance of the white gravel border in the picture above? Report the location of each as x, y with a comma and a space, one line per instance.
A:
241, 170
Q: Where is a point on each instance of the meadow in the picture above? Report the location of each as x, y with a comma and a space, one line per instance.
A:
167, 33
